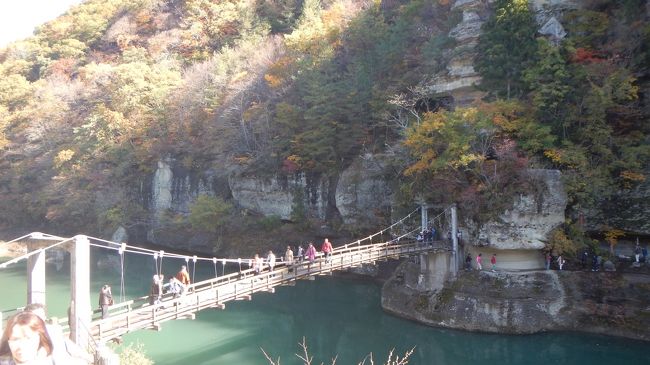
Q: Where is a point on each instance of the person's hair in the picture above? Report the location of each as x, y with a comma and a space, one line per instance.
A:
35, 323
34, 306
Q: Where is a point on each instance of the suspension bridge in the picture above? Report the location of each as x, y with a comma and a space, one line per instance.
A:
136, 314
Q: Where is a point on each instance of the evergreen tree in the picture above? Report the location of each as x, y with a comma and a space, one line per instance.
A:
506, 48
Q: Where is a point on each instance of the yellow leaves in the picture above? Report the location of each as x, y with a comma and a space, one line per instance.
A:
15, 90
62, 157
554, 155
612, 235
560, 244
318, 32
469, 114
467, 159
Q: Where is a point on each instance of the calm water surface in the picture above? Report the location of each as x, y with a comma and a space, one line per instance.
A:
337, 317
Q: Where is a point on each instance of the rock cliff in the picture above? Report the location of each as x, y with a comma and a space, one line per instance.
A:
526, 302
360, 196
532, 217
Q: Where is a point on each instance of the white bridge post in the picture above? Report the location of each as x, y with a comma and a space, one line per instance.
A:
454, 242
36, 275
80, 307
424, 216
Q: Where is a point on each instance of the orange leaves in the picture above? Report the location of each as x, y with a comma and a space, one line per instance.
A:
584, 56
632, 176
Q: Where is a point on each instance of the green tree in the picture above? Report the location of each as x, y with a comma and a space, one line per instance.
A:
506, 48
208, 213
549, 81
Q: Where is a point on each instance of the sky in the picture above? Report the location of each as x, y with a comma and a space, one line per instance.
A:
18, 18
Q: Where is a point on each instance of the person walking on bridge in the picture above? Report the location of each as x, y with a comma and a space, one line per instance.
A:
184, 277
105, 299
327, 250
311, 254
301, 253
156, 292
270, 259
288, 258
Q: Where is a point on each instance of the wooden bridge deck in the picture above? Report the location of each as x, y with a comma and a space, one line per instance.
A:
214, 293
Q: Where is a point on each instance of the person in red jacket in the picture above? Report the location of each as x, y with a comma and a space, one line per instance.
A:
183, 276
493, 261
327, 250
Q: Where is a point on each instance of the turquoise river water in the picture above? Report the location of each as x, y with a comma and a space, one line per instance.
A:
337, 317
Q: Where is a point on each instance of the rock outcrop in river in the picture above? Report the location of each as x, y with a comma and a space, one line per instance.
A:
526, 302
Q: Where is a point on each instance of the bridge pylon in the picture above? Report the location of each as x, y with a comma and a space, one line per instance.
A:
80, 307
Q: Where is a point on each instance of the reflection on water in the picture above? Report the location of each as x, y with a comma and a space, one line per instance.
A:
338, 317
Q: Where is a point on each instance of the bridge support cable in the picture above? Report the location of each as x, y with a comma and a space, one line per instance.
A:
122, 287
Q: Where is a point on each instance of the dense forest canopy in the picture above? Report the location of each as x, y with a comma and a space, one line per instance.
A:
97, 96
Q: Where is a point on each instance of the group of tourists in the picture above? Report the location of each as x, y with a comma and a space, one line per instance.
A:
177, 286
479, 261
29, 339
427, 235
290, 258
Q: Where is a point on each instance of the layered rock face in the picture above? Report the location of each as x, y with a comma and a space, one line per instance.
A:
360, 195
526, 302
532, 218
459, 77
519, 233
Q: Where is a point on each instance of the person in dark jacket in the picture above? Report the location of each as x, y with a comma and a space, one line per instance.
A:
105, 299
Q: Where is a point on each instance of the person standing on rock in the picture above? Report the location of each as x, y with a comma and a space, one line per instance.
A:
560, 262
493, 261
637, 253
468, 262
479, 261
548, 261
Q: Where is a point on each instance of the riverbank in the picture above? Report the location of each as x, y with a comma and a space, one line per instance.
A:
11, 250
526, 302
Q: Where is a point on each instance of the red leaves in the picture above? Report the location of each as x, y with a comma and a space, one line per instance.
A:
585, 56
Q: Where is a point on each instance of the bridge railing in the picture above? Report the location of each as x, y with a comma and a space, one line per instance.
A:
342, 257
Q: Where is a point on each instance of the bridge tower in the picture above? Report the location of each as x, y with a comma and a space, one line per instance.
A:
80, 307
35, 273
453, 265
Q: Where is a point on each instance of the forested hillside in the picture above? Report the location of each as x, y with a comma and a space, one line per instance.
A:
95, 98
